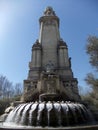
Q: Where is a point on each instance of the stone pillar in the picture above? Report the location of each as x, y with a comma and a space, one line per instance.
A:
63, 57
36, 55
38, 58
33, 60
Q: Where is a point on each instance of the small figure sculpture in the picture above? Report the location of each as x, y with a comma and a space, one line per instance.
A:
70, 62
49, 67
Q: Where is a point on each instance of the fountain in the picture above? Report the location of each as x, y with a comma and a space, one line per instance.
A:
51, 114
51, 99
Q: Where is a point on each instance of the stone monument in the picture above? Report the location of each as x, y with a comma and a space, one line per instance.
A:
50, 66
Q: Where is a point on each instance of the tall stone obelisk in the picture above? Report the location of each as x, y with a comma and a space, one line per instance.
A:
50, 66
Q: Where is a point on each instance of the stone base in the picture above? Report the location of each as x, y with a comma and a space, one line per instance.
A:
49, 97
15, 103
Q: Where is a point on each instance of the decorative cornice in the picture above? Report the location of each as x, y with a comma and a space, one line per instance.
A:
43, 68
44, 19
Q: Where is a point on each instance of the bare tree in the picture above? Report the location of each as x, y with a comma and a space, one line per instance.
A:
8, 90
18, 89
2, 81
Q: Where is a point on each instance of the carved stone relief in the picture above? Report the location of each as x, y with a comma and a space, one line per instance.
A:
50, 86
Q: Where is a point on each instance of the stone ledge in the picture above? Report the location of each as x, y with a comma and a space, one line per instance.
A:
90, 127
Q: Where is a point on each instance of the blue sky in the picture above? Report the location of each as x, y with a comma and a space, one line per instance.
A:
19, 29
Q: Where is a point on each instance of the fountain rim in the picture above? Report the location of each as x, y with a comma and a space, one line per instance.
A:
82, 127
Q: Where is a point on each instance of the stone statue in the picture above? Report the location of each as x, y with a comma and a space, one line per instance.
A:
49, 11
70, 62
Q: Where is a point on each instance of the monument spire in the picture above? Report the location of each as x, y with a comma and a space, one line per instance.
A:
50, 19
49, 36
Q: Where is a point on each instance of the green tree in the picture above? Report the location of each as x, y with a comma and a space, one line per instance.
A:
92, 51
91, 79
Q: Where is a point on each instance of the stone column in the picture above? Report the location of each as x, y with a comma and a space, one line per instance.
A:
38, 58
33, 60
63, 57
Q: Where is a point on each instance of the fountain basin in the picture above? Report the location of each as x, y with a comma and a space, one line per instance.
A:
49, 114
